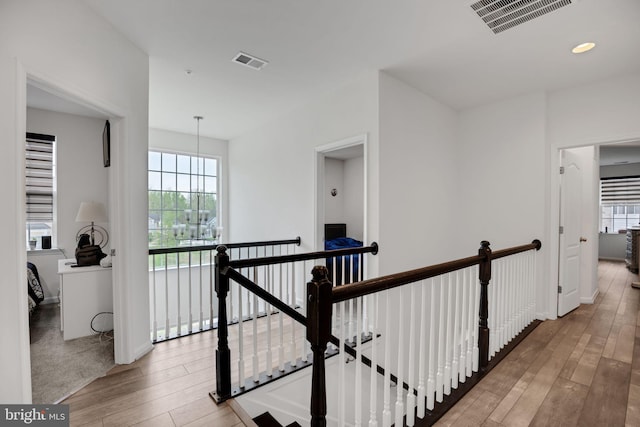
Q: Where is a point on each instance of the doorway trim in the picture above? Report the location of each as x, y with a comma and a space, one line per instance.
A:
117, 117
320, 154
550, 298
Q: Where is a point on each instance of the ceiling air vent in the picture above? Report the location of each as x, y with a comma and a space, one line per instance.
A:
500, 15
250, 61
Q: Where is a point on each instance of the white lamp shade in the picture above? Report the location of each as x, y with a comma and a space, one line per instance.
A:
91, 212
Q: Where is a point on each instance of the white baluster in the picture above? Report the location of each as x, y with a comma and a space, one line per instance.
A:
455, 366
358, 362
294, 359
448, 336
200, 320
305, 344
167, 325
373, 389
422, 393
476, 318
399, 403
178, 296
431, 377
256, 371
190, 325
411, 398
441, 338
240, 340
154, 299
269, 279
462, 377
500, 334
281, 324
471, 320
386, 407
342, 361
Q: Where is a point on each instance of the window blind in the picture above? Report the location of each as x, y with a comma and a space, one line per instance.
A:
39, 177
620, 191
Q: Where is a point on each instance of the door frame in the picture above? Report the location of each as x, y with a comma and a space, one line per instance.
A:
118, 119
320, 154
549, 299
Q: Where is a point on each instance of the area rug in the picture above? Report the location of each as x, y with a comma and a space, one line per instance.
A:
60, 368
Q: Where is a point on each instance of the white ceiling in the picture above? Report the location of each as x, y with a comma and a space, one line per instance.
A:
438, 46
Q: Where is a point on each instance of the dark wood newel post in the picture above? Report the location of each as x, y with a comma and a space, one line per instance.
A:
319, 309
485, 277
223, 354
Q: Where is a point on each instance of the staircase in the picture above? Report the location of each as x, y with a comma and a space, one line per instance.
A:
267, 420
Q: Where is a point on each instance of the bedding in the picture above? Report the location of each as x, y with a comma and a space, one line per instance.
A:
34, 287
335, 238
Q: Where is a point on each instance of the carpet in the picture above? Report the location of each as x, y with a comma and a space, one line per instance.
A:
60, 368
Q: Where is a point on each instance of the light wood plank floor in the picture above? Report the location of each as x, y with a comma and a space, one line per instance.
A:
580, 370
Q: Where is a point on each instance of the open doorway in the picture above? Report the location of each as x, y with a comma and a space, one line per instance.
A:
595, 227
341, 188
62, 360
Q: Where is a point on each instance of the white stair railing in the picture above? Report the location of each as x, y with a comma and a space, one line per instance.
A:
429, 332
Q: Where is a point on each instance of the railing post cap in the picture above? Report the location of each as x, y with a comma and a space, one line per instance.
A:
319, 272
484, 244
221, 249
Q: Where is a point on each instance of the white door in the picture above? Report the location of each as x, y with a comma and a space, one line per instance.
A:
570, 233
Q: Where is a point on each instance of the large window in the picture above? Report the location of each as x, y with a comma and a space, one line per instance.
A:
183, 200
40, 186
619, 203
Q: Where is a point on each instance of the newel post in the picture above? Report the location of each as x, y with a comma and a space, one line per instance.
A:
319, 309
485, 277
223, 354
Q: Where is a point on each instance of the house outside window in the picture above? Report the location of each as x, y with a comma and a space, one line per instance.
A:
40, 187
619, 204
183, 200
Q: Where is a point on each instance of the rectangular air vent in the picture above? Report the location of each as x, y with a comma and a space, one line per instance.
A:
250, 61
500, 15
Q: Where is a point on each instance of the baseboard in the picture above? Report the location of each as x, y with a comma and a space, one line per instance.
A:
591, 299
610, 259
142, 350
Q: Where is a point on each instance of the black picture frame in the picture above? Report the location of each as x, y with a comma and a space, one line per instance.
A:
106, 144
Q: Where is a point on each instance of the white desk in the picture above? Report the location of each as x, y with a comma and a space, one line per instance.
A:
84, 292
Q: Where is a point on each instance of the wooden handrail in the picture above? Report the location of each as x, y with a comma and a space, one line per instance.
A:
366, 287
282, 259
160, 251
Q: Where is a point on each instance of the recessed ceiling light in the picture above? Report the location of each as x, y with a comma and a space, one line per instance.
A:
583, 47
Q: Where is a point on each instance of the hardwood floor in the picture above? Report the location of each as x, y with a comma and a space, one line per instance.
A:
580, 370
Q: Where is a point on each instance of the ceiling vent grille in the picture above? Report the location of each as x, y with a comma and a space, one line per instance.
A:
500, 15
250, 61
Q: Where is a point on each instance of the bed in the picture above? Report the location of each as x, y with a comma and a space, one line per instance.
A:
335, 237
34, 287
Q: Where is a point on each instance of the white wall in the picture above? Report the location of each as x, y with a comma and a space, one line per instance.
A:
334, 178
81, 177
502, 159
597, 113
417, 168
347, 177
178, 142
67, 47
354, 197
272, 181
